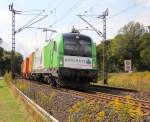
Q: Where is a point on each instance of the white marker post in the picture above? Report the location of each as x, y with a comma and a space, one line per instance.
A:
127, 65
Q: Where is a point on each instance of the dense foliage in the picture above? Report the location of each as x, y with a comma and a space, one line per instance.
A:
132, 42
5, 61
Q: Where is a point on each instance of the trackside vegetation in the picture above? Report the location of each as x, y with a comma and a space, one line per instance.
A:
137, 80
8, 77
134, 80
36, 94
115, 111
11, 109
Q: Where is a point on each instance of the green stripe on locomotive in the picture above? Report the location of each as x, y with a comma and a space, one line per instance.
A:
94, 61
53, 52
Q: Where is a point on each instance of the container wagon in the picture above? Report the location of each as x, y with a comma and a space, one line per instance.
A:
25, 67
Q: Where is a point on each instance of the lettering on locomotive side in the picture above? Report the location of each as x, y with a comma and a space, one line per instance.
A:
78, 62
87, 61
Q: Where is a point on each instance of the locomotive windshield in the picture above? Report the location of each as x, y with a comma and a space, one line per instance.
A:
77, 45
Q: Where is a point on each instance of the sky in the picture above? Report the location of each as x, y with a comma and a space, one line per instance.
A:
62, 16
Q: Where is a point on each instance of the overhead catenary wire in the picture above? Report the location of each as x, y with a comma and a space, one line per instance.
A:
120, 12
125, 10
26, 11
49, 4
32, 19
32, 14
94, 4
58, 4
31, 24
68, 12
54, 8
44, 29
97, 31
83, 3
50, 11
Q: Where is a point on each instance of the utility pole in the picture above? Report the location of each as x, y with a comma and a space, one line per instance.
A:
14, 31
102, 34
11, 8
105, 64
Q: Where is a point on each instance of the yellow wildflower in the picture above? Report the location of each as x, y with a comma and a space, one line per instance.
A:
71, 110
100, 116
128, 98
138, 111
117, 105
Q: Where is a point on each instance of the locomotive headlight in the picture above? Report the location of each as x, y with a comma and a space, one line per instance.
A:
94, 65
61, 61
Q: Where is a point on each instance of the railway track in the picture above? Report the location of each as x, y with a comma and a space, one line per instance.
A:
101, 96
105, 97
98, 87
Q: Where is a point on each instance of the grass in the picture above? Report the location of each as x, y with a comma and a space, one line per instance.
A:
134, 80
11, 109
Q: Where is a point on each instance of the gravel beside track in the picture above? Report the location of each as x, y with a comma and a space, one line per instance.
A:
65, 98
59, 105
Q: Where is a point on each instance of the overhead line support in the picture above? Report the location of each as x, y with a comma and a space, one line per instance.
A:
14, 31
13, 38
102, 34
105, 62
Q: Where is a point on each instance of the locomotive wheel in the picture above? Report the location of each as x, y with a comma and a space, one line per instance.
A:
52, 81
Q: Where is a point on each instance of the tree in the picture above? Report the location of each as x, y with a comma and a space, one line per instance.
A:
18, 61
1, 52
5, 61
1, 40
125, 44
145, 51
100, 56
132, 42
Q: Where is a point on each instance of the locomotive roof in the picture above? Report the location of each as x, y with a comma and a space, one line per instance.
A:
75, 34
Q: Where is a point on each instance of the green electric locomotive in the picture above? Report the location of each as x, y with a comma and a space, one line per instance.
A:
69, 59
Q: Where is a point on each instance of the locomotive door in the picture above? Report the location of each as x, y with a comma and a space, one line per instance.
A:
53, 55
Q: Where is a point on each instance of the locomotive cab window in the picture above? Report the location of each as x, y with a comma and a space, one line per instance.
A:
80, 46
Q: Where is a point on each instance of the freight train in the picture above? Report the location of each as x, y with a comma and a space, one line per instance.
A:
69, 60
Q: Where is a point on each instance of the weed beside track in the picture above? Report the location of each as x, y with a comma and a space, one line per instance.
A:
58, 101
